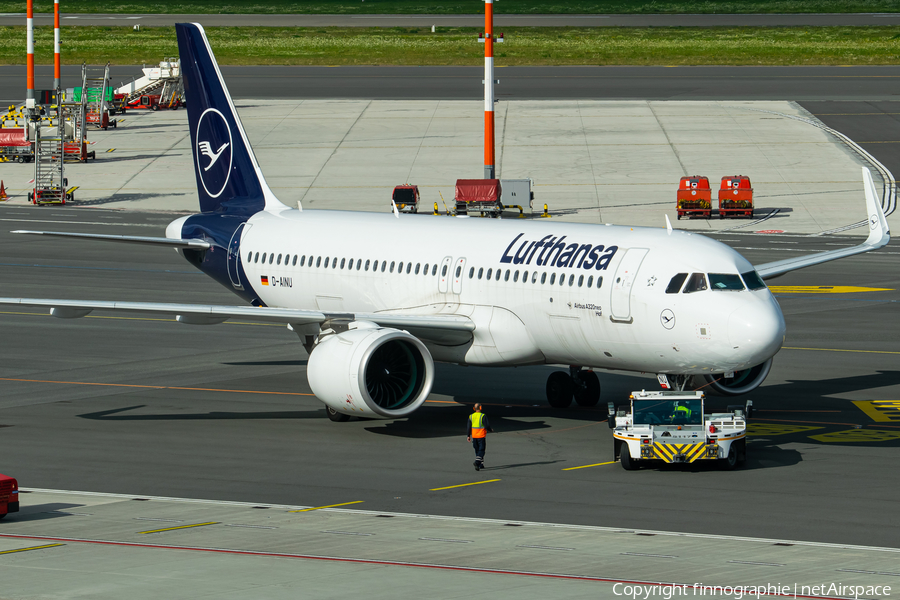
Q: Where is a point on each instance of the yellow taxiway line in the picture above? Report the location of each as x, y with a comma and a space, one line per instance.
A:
31, 548
450, 487
594, 465
180, 527
329, 506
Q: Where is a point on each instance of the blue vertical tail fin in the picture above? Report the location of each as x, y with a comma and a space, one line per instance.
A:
229, 179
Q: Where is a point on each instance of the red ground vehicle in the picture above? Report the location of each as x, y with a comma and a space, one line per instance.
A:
694, 197
735, 197
478, 195
145, 101
14, 146
406, 197
9, 495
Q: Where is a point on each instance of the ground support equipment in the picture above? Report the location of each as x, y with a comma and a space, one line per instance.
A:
736, 197
694, 197
478, 195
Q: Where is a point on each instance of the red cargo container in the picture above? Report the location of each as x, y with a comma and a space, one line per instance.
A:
735, 197
481, 195
14, 146
9, 495
694, 197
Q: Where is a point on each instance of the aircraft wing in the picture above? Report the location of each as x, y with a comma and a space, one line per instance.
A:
440, 329
133, 239
879, 235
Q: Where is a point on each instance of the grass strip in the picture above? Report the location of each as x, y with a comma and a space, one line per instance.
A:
340, 7
524, 46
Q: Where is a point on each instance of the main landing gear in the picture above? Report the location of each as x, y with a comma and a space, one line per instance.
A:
583, 386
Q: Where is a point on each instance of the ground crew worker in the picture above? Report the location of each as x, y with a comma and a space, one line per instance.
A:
476, 432
681, 412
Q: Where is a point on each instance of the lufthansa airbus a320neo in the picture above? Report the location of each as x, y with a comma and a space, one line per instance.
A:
477, 292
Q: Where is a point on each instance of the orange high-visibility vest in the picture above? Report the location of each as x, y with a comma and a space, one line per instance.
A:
476, 420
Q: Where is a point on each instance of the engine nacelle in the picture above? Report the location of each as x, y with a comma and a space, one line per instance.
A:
371, 371
743, 381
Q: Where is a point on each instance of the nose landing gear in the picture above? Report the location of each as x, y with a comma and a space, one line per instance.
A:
583, 386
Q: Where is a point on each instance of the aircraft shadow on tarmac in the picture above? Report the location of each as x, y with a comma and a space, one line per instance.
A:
115, 414
267, 363
426, 424
120, 198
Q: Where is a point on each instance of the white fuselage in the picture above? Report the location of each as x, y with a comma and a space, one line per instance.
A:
537, 311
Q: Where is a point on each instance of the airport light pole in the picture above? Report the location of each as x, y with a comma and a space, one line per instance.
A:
488, 89
56, 61
29, 59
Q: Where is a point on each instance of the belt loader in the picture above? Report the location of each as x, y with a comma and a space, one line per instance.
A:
673, 427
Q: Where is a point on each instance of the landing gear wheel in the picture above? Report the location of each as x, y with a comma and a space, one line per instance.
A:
588, 393
625, 458
335, 415
559, 389
729, 462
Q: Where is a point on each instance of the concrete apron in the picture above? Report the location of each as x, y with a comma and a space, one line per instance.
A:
591, 161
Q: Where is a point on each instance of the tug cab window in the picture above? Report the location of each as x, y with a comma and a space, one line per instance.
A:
725, 282
696, 283
675, 283
753, 280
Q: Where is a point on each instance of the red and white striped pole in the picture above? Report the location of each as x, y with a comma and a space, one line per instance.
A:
56, 61
29, 59
488, 89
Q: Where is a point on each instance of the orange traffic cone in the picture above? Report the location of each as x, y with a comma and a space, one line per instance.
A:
3, 195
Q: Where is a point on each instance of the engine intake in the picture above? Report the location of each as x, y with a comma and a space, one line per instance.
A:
743, 381
370, 371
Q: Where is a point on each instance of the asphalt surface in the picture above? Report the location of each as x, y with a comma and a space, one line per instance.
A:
145, 406
475, 20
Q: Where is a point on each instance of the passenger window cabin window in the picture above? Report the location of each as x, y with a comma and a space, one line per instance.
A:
417, 268
434, 270
400, 267
516, 276
334, 263
497, 275
326, 261
544, 278
303, 260
256, 258
383, 265
318, 261
753, 280
490, 272
343, 260
374, 266
408, 268
471, 272
675, 283
552, 278
696, 283
294, 262
279, 260
571, 280
392, 266
580, 280
599, 282
444, 271
458, 271
359, 264
250, 256
425, 271
525, 277
480, 272
264, 258
534, 277
367, 264
271, 258
725, 282
506, 277
590, 281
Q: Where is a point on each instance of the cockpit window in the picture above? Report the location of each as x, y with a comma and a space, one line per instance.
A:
725, 282
753, 280
675, 283
696, 283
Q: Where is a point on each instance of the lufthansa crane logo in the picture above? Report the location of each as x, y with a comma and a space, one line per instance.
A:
214, 156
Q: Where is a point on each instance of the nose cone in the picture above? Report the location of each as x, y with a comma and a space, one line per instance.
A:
756, 329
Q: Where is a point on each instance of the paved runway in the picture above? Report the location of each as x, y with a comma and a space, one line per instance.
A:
475, 20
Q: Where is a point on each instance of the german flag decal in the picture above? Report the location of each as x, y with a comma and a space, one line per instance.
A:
264, 279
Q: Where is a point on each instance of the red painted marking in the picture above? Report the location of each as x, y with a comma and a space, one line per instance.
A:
374, 562
770, 231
